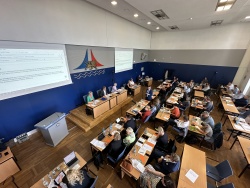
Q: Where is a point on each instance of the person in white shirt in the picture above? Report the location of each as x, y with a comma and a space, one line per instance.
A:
236, 89
114, 88
238, 95
182, 124
186, 88
230, 86
207, 87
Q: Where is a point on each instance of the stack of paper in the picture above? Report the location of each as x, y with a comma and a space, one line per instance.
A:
147, 147
245, 126
141, 139
192, 176
142, 151
152, 141
98, 143
138, 144
118, 126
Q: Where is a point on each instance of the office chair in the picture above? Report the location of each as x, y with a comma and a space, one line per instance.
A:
229, 185
110, 89
85, 98
115, 160
98, 92
89, 181
220, 171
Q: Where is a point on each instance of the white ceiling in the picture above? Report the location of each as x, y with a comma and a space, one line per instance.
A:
178, 11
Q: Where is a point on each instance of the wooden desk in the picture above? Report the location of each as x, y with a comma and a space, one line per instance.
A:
199, 94
197, 104
138, 107
172, 99
163, 114
135, 173
237, 128
107, 139
136, 89
166, 85
148, 82
245, 144
63, 167
194, 159
228, 106
122, 96
8, 166
155, 93
198, 88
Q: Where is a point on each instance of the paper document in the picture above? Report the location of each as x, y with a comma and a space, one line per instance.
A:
149, 135
138, 144
76, 167
142, 151
118, 126
141, 139
192, 176
140, 167
98, 143
147, 147
151, 140
238, 127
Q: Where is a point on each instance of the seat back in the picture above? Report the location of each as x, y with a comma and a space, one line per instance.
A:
146, 120
217, 128
98, 92
224, 169
110, 89
229, 185
93, 184
121, 154
85, 98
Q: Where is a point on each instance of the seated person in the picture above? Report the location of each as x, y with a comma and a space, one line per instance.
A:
157, 103
149, 93
75, 180
116, 146
129, 122
140, 80
205, 117
238, 95
90, 97
153, 109
175, 112
114, 88
130, 85
241, 102
209, 104
186, 88
151, 178
191, 83
103, 92
182, 124
206, 87
230, 86
162, 138
130, 136
236, 89
244, 111
204, 81
183, 105
205, 129
145, 114
168, 163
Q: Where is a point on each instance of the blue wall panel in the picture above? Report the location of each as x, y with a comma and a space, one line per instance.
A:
20, 114
185, 72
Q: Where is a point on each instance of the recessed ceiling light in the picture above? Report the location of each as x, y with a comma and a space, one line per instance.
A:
220, 8
223, 1
113, 2
136, 15
247, 17
190, 18
149, 23
158, 28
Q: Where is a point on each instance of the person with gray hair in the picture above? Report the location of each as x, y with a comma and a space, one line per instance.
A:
205, 117
114, 88
130, 136
115, 147
206, 130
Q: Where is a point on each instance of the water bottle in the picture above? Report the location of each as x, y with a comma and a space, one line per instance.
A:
145, 131
110, 128
103, 131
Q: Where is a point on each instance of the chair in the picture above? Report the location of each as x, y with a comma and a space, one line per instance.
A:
146, 120
110, 89
229, 185
220, 171
98, 92
85, 98
182, 134
116, 160
89, 181
217, 138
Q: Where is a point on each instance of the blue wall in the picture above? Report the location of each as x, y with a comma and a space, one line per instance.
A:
20, 114
185, 72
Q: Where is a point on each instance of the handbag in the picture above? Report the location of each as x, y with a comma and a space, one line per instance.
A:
127, 165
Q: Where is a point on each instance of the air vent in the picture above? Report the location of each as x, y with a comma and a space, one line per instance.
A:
160, 14
174, 27
216, 22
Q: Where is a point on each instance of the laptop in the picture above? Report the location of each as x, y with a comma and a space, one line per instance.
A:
71, 160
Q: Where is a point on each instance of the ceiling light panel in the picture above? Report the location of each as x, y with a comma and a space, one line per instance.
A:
160, 14
224, 5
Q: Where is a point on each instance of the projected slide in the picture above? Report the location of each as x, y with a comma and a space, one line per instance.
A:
123, 59
24, 71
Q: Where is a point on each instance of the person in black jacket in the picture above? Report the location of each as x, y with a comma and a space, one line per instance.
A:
103, 91
162, 138
130, 122
116, 146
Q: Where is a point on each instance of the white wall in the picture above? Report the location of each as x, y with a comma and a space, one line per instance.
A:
68, 22
234, 36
